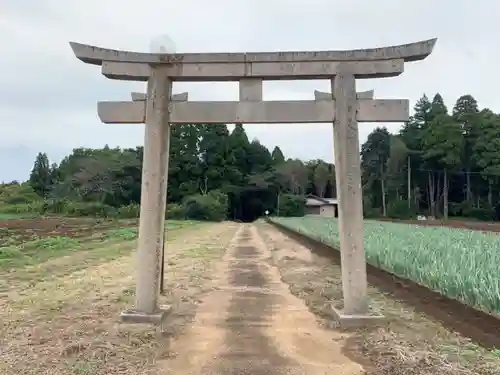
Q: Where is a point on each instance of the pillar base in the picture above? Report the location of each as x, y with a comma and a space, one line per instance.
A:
141, 317
352, 321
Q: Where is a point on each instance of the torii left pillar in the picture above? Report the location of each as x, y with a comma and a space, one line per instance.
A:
153, 201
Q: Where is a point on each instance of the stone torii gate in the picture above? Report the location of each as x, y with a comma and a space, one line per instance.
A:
342, 107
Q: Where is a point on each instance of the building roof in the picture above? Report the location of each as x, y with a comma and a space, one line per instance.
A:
313, 200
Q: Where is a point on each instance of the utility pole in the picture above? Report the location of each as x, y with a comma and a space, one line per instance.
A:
278, 205
409, 182
162, 272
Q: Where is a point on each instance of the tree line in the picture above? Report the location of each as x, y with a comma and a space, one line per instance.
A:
440, 163
203, 159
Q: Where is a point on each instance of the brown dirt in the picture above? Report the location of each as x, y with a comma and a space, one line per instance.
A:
458, 224
28, 229
251, 324
70, 324
421, 335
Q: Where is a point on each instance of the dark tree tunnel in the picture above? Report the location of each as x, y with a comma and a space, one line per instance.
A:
249, 203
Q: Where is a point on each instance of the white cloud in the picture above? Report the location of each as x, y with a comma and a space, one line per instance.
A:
48, 98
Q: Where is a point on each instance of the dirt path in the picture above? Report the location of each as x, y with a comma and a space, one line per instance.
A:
251, 324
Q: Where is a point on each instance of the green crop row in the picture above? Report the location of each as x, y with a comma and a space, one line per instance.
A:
460, 264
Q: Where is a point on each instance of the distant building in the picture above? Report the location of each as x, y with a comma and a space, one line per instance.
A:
321, 206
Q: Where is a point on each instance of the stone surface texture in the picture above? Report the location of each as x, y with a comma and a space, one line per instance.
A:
153, 193
349, 195
256, 112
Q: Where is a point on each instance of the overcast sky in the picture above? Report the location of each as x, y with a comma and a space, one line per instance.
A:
48, 97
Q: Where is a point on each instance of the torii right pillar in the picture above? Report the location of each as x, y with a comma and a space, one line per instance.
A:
349, 194
346, 103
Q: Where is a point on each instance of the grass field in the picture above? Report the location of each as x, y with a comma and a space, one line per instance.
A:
34, 249
64, 282
458, 263
31, 241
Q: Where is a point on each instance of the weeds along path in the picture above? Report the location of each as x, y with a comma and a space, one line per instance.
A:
51, 265
70, 324
410, 343
250, 323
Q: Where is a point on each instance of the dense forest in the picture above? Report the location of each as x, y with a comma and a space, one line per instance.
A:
441, 163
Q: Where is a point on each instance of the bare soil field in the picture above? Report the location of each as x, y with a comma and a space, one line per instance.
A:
34, 228
460, 224
422, 335
18, 231
62, 316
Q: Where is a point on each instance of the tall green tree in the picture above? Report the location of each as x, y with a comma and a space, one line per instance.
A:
214, 153
486, 150
41, 175
375, 154
239, 148
466, 113
435, 117
259, 158
184, 165
443, 141
321, 177
277, 156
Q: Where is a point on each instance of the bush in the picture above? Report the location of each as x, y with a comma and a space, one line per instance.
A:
370, 212
399, 210
66, 207
204, 207
220, 197
34, 207
132, 211
467, 210
55, 206
291, 205
484, 214
13, 194
175, 211
90, 209
461, 209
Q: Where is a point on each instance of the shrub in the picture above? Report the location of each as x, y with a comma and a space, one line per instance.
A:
399, 210
467, 210
461, 209
90, 209
369, 211
17, 194
15, 208
175, 211
291, 205
219, 196
204, 207
132, 211
55, 206
485, 214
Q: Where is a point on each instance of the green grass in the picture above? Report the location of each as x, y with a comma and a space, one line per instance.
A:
42, 249
4, 216
35, 251
458, 263
132, 233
